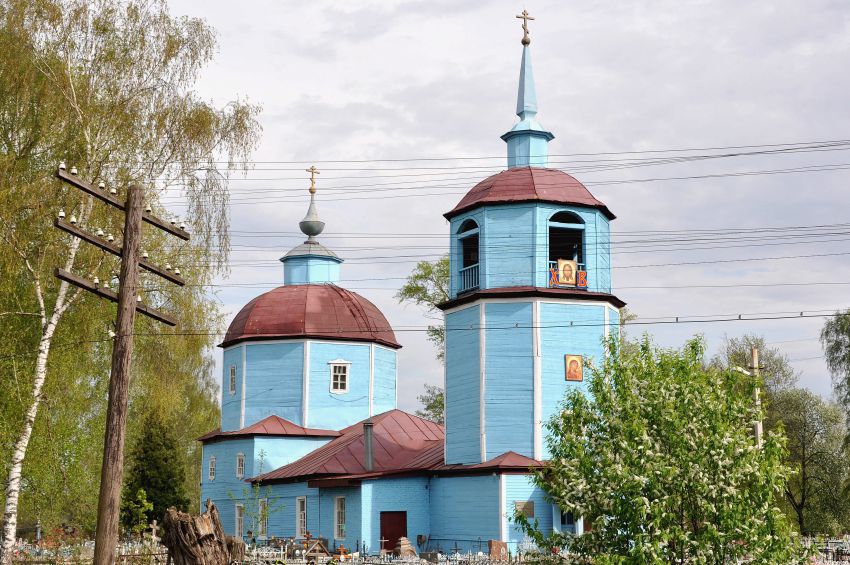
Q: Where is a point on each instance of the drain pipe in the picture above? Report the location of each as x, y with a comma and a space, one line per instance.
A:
368, 454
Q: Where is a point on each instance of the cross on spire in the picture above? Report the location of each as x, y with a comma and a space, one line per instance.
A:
313, 172
526, 40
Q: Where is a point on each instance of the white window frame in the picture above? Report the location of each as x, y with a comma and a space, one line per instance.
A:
339, 517
300, 517
232, 383
346, 367
211, 471
239, 521
240, 465
263, 518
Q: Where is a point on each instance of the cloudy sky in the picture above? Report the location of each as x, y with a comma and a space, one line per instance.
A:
375, 85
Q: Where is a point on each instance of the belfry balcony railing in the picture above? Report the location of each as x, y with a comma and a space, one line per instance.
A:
469, 278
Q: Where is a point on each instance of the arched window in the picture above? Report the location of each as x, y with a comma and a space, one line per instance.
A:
468, 251
566, 244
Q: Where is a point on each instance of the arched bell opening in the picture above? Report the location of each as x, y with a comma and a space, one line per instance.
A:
566, 248
468, 274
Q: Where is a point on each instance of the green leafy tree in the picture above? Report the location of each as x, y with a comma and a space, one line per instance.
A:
776, 371
433, 404
259, 502
659, 459
135, 513
835, 339
818, 490
427, 286
156, 467
105, 86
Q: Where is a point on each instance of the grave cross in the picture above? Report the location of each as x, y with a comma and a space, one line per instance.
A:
154, 529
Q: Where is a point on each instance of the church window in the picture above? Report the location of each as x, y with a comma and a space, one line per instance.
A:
263, 518
566, 243
469, 255
300, 516
568, 522
232, 387
240, 521
212, 469
240, 466
339, 517
339, 376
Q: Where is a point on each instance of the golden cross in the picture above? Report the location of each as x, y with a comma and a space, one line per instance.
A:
525, 17
313, 172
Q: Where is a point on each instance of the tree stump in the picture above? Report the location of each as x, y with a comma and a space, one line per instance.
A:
199, 540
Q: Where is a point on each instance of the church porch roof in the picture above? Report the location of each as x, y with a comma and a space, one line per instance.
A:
270, 426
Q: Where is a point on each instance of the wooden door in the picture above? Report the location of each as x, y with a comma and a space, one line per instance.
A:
393, 526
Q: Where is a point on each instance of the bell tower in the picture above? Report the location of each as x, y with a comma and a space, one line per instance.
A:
530, 298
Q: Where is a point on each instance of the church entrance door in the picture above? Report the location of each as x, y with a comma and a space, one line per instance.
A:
393, 526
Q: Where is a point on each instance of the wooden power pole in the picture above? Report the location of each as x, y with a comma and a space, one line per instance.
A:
757, 425
112, 469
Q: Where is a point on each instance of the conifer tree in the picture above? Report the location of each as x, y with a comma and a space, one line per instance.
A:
157, 467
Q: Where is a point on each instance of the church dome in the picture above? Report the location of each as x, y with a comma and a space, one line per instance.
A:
529, 184
319, 311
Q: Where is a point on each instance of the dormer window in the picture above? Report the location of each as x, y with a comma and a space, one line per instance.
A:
468, 260
340, 370
566, 249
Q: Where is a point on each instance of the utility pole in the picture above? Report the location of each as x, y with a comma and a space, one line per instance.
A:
757, 425
128, 299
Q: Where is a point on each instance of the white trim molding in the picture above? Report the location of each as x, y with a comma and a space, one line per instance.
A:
482, 384
372, 379
503, 512
244, 379
305, 383
538, 380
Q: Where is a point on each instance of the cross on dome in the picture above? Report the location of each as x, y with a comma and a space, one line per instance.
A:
311, 225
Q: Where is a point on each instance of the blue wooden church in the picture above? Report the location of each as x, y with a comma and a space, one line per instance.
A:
310, 384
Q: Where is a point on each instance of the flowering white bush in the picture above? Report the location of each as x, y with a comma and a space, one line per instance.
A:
660, 461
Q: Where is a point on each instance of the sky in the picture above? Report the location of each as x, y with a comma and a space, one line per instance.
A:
385, 85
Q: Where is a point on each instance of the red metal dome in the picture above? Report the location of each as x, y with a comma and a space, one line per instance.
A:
322, 311
524, 184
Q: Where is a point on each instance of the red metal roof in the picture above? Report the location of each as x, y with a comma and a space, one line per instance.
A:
271, 426
398, 439
532, 291
403, 444
524, 184
322, 311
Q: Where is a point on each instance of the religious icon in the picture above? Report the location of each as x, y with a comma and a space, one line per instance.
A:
567, 272
573, 368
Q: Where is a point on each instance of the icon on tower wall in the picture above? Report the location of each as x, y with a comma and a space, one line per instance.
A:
573, 368
567, 272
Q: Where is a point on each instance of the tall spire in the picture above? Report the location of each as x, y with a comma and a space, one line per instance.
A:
528, 142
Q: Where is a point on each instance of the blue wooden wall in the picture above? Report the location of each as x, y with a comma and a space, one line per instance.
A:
308, 269
273, 381
509, 379
409, 495
464, 510
519, 488
353, 539
386, 379
274, 378
514, 245
231, 403
333, 411
463, 386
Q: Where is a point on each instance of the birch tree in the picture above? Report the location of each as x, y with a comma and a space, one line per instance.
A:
104, 85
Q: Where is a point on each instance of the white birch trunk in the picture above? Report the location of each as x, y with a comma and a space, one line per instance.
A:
48, 329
